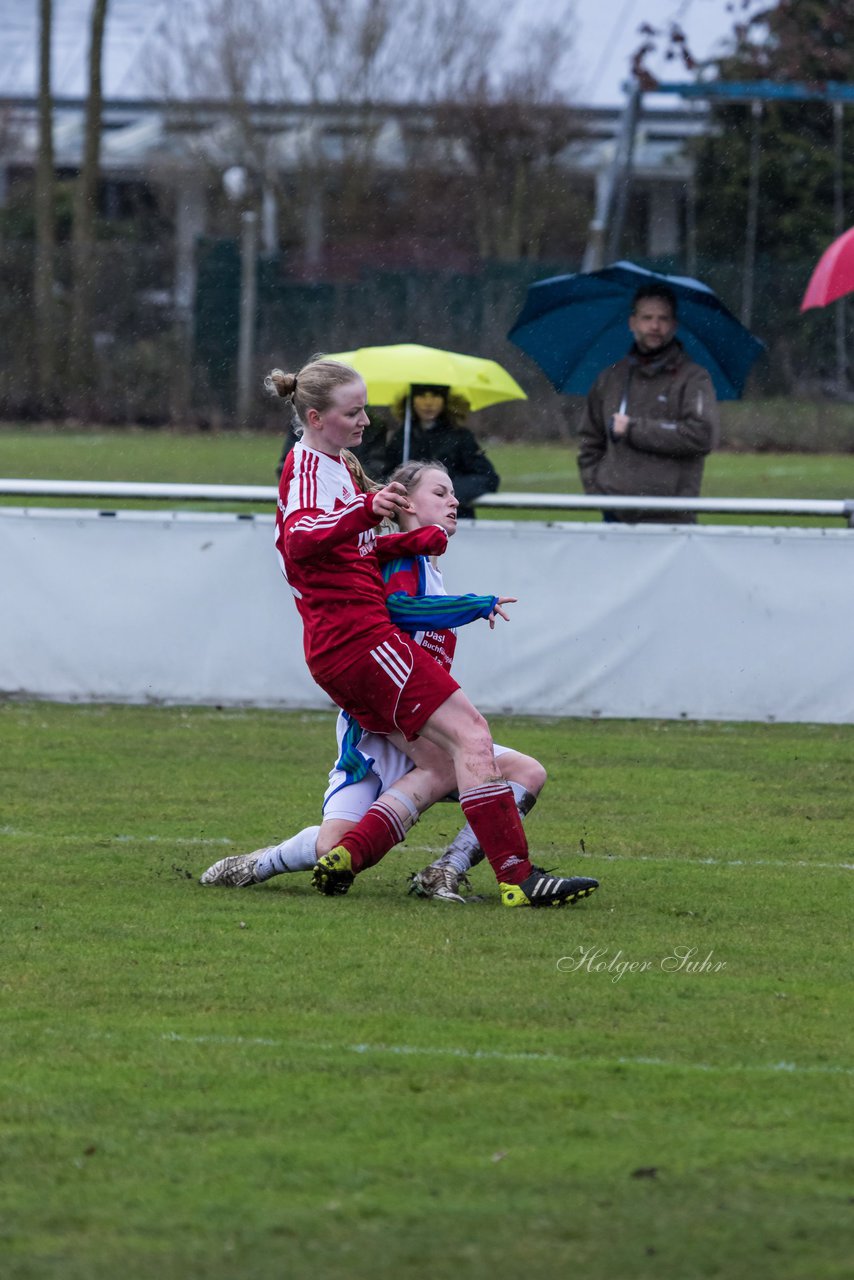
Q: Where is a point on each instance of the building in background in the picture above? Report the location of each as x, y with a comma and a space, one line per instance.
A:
437, 215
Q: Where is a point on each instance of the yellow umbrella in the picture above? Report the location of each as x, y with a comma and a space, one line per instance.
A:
390, 371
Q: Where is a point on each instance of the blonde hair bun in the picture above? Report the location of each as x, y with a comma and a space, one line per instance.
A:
279, 383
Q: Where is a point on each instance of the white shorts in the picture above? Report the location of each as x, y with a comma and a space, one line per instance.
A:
347, 800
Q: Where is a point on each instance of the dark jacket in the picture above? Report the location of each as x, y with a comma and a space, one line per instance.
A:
468, 466
673, 424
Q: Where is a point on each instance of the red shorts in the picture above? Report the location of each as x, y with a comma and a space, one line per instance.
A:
394, 686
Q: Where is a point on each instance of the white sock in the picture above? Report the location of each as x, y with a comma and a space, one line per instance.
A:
464, 852
297, 854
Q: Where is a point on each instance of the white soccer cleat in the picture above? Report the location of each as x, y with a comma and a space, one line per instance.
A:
440, 882
235, 872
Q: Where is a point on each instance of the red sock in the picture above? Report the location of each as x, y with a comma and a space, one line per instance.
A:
491, 811
370, 841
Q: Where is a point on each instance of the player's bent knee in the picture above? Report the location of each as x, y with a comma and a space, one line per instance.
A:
525, 770
477, 728
535, 776
331, 834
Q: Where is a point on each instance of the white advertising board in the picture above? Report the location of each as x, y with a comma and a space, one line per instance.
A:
699, 622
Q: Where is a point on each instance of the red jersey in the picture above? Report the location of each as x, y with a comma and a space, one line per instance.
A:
327, 544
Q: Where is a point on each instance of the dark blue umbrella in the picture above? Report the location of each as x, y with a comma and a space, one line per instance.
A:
574, 326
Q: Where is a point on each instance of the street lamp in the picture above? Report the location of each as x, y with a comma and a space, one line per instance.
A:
235, 181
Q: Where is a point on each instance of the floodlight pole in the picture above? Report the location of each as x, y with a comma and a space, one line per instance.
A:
752, 218
248, 295
612, 190
623, 160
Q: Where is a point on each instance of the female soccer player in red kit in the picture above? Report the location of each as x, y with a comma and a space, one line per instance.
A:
326, 536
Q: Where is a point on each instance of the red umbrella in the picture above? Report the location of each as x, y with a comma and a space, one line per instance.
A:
834, 275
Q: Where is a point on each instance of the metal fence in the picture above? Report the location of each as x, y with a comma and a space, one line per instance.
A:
151, 369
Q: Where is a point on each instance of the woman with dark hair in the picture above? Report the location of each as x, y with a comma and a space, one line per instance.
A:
437, 434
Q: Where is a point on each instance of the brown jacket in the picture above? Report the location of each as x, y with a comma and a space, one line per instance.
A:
673, 425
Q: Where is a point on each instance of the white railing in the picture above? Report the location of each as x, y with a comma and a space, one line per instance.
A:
140, 489
819, 507
838, 508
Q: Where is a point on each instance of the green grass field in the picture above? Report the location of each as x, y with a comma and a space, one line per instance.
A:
249, 458
265, 1083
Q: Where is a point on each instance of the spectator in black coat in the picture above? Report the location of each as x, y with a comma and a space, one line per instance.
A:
437, 435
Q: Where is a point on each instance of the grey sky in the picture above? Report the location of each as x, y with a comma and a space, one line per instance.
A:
606, 35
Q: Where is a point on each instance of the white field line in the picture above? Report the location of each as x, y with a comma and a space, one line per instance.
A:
182, 840
497, 1055
433, 851
719, 862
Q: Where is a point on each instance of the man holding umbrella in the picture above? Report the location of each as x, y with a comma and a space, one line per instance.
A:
651, 418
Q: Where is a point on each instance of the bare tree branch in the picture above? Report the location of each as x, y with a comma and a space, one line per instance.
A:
489, 81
